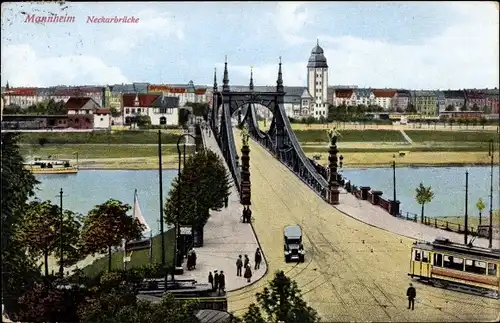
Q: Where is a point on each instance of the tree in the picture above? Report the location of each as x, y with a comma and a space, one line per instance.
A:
475, 107
424, 195
12, 109
411, 108
18, 184
463, 107
281, 301
450, 107
183, 116
106, 225
143, 121
480, 206
204, 186
55, 108
115, 113
199, 109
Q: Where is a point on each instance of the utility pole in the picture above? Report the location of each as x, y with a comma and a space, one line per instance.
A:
491, 151
160, 177
466, 233
61, 266
394, 176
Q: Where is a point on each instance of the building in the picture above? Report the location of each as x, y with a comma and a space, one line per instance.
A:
384, 98
344, 97
492, 100
401, 100
475, 100
425, 102
81, 112
363, 97
162, 110
102, 119
64, 93
454, 98
34, 122
317, 82
21, 96
185, 92
113, 93
441, 101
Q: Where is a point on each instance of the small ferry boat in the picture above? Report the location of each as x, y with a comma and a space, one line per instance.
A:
51, 166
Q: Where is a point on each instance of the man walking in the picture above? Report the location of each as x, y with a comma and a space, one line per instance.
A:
411, 293
246, 261
258, 259
222, 283
239, 265
211, 280
216, 280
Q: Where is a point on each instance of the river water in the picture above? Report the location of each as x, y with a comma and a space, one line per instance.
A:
91, 187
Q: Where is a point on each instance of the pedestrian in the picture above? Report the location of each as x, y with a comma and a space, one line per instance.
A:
216, 280
239, 265
193, 260
248, 273
189, 260
211, 280
249, 215
258, 259
226, 201
246, 261
222, 282
244, 214
411, 293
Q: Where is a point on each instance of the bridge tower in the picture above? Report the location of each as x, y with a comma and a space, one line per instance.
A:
333, 185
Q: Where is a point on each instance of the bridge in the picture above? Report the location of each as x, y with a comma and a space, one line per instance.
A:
353, 271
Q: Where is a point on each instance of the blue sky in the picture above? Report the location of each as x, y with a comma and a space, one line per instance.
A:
411, 45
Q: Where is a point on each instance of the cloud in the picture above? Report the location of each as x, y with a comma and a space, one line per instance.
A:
21, 66
290, 18
159, 25
465, 55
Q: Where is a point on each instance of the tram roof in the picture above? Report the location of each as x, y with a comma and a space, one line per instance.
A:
459, 249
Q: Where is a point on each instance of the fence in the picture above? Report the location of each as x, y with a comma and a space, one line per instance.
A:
375, 198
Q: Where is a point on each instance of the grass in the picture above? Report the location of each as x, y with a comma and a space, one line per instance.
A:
324, 150
462, 136
98, 151
351, 135
138, 258
115, 137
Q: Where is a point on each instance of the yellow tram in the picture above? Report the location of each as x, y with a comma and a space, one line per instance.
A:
454, 266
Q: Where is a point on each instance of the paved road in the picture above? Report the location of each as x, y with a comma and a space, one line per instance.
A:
353, 271
225, 238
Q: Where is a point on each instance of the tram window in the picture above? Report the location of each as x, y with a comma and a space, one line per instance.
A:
492, 269
438, 259
453, 263
417, 255
476, 267
425, 256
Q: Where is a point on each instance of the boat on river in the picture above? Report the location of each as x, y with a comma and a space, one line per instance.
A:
51, 166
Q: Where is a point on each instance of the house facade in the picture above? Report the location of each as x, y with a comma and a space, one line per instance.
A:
454, 98
363, 97
102, 119
184, 92
344, 97
401, 100
475, 100
161, 109
81, 111
492, 101
384, 98
21, 96
425, 102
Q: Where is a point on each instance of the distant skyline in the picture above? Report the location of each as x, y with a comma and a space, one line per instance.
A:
434, 45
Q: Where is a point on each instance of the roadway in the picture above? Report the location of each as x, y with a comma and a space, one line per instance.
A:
352, 272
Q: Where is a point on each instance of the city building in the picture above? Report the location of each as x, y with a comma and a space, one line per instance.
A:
425, 102
363, 97
185, 92
317, 82
441, 101
475, 100
21, 96
81, 113
113, 93
384, 98
454, 98
492, 100
162, 109
344, 97
401, 100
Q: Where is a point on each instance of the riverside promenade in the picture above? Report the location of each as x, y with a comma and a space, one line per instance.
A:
353, 271
225, 237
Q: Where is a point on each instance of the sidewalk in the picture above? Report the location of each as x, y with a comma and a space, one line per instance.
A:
225, 238
374, 215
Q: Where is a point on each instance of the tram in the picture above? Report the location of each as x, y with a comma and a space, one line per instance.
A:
464, 268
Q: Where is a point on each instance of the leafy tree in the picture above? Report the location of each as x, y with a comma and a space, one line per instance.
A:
450, 107
183, 116
106, 225
199, 109
55, 108
12, 109
480, 207
424, 195
143, 121
281, 301
204, 186
475, 107
411, 108
18, 271
463, 107
115, 113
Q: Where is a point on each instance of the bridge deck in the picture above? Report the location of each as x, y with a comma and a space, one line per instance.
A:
342, 277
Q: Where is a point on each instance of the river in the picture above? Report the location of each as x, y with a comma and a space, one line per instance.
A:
91, 187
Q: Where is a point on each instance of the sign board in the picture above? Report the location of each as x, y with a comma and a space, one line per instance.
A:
186, 230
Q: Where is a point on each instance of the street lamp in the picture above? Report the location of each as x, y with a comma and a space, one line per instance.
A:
490, 229
61, 266
176, 224
394, 176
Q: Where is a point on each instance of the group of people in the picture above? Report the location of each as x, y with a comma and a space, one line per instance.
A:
191, 259
247, 214
245, 263
218, 281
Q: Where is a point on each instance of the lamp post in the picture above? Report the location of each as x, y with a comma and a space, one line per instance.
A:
61, 267
394, 177
160, 178
490, 229
176, 224
466, 232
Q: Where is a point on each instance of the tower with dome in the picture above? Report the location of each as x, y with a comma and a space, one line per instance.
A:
317, 82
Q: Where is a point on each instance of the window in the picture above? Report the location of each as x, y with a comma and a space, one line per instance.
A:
139, 110
476, 267
170, 111
87, 111
127, 111
492, 269
416, 255
163, 110
163, 120
102, 119
453, 263
133, 110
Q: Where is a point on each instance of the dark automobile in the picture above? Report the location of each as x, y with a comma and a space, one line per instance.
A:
294, 250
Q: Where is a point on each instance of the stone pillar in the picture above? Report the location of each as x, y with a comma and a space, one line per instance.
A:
394, 208
333, 185
364, 192
376, 197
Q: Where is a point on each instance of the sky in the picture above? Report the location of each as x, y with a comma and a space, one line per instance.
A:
413, 45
